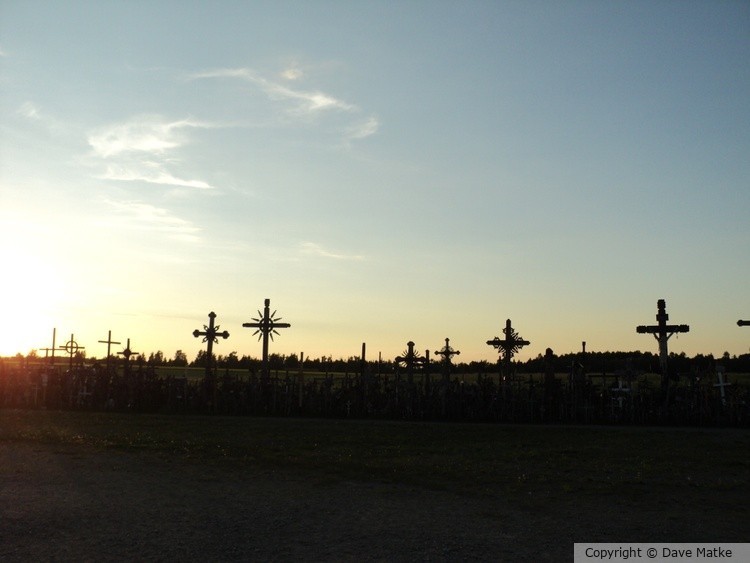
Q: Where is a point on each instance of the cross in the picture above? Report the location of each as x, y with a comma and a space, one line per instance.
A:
447, 352
72, 348
266, 325
411, 360
109, 343
508, 346
127, 352
620, 390
48, 350
721, 384
662, 332
210, 335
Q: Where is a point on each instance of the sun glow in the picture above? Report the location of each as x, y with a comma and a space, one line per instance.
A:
33, 286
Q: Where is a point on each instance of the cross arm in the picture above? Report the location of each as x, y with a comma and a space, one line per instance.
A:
743, 323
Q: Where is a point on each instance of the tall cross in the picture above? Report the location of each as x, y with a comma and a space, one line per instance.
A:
508, 347
109, 343
210, 335
410, 359
48, 350
72, 348
266, 325
662, 332
447, 352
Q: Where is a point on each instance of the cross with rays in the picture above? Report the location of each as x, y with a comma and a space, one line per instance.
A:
266, 325
508, 346
411, 360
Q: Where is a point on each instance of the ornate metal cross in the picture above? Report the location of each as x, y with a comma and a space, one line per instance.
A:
508, 347
210, 335
662, 332
127, 352
109, 343
447, 352
410, 359
266, 325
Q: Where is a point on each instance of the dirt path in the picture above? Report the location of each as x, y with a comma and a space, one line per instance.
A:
69, 503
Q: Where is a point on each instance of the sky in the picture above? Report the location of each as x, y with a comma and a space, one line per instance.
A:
382, 171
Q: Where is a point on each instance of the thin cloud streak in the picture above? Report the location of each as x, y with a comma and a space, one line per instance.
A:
136, 150
309, 102
314, 249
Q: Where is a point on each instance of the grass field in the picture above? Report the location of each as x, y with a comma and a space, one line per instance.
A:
467, 458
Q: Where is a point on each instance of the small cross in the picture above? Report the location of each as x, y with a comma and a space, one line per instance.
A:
721, 384
266, 325
511, 344
210, 335
126, 353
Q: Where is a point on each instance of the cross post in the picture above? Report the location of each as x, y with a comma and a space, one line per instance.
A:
266, 325
721, 384
508, 346
210, 335
72, 348
447, 352
410, 359
662, 332
126, 353
109, 343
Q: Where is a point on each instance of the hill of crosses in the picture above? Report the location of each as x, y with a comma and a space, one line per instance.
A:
596, 388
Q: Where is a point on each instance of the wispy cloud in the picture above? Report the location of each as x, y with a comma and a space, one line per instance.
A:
140, 149
29, 111
305, 102
314, 249
363, 129
146, 217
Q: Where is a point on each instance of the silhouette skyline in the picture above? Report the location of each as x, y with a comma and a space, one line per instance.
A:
385, 173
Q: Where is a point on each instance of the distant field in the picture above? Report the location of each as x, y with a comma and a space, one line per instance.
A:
473, 458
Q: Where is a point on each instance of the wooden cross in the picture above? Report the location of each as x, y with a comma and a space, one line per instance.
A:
721, 384
210, 335
511, 344
620, 390
410, 359
48, 350
109, 343
266, 325
72, 348
662, 332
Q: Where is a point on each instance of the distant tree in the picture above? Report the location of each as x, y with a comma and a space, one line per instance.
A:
180, 359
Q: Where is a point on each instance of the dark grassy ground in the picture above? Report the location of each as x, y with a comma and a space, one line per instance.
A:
466, 458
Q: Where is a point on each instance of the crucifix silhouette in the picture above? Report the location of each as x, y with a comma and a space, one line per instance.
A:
126, 353
447, 352
109, 343
210, 335
508, 347
662, 332
72, 348
411, 360
266, 325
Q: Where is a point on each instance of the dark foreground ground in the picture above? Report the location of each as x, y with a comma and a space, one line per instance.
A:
67, 494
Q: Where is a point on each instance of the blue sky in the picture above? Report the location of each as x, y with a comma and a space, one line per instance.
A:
382, 171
